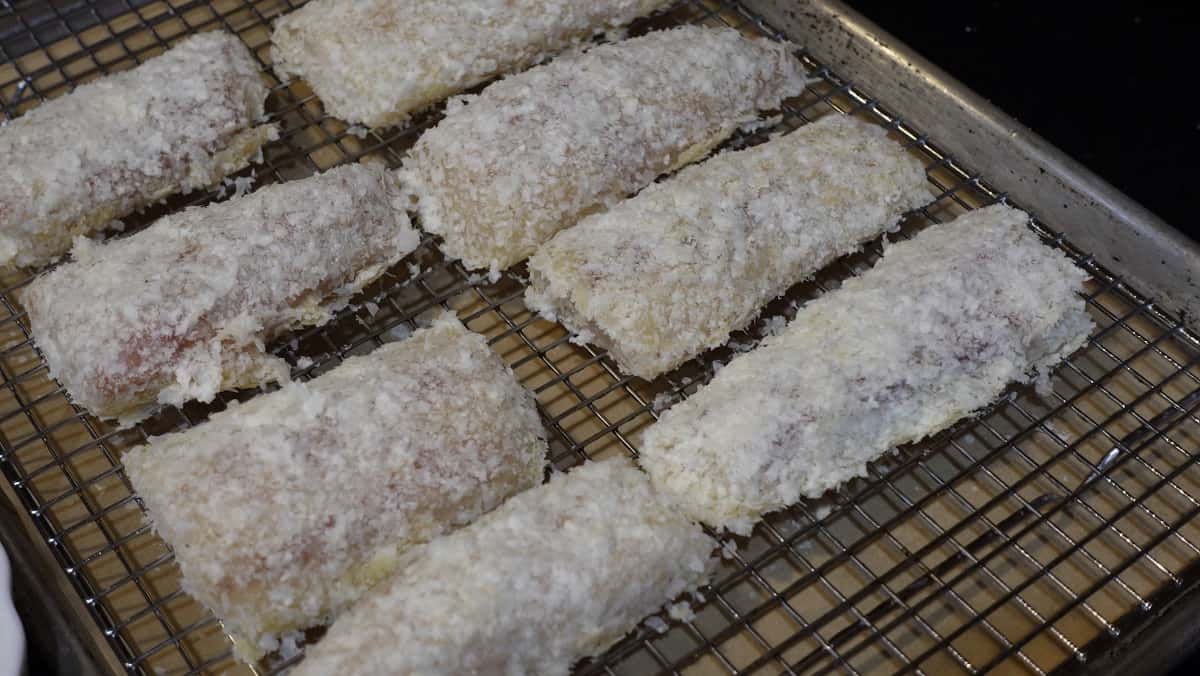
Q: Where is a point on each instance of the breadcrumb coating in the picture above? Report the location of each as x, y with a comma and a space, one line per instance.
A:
284, 510
181, 121
934, 331
555, 574
374, 62
182, 310
536, 152
661, 277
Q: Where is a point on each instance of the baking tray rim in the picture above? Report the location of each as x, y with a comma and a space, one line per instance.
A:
1095, 215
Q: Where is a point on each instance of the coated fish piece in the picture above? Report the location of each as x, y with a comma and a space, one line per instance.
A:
556, 574
665, 275
936, 330
536, 152
284, 510
179, 122
183, 309
374, 62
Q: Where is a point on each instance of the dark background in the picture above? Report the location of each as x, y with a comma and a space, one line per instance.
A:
1110, 83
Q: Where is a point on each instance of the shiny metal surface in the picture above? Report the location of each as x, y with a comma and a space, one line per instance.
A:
1037, 536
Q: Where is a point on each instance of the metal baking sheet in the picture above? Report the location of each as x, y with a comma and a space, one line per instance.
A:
1037, 537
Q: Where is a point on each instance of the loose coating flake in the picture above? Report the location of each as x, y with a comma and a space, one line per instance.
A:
179, 122
284, 510
182, 309
662, 277
536, 152
934, 331
376, 61
555, 574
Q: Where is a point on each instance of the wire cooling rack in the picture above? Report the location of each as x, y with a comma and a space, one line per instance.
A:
1029, 538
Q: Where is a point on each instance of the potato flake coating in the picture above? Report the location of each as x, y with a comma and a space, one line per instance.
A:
375, 61
284, 510
661, 277
182, 310
536, 152
181, 121
934, 331
555, 574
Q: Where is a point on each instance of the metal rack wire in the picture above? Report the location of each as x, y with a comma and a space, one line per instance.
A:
1029, 537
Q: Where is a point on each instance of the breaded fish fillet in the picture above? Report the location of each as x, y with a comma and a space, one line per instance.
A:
375, 61
661, 277
555, 574
936, 330
179, 122
535, 152
284, 510
183, 309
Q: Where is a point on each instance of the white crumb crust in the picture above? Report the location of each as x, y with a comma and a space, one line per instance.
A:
934, 331
284, 510
663, 276
376, 61
555, 574
183, 309
180, 121
534, 153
